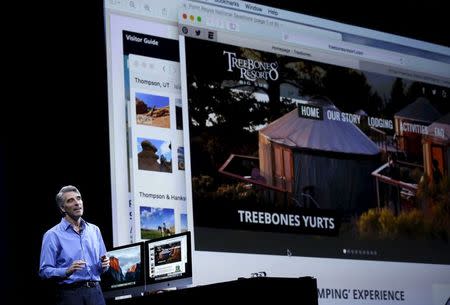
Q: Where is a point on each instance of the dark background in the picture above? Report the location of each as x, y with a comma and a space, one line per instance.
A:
55, 125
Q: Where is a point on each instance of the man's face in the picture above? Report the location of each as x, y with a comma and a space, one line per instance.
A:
73, 205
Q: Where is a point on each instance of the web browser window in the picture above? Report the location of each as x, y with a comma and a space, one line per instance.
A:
147, 153
316, 147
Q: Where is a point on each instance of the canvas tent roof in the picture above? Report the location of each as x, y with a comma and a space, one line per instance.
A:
420, 110
325, 135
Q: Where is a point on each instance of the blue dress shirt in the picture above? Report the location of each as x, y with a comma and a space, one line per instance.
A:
61, 245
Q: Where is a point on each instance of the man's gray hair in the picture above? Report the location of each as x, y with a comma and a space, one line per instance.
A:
62, 191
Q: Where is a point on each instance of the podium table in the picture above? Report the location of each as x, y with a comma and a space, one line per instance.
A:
299, 291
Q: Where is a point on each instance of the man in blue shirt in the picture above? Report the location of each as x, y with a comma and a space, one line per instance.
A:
73, 253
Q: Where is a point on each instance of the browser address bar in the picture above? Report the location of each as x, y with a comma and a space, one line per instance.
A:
342, 47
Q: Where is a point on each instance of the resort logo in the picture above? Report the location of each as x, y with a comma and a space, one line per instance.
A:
252, 70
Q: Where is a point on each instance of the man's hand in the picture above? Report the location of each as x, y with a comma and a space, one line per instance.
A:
76, 265
105, 262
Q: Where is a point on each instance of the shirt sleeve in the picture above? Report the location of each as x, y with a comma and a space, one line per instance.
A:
47, 264
102, 249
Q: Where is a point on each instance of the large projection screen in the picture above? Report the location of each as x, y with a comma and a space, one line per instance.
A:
285, 143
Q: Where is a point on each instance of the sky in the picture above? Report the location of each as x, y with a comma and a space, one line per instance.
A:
162, 146
153, 100
151, 218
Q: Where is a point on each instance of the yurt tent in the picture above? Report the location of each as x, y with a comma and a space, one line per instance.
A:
330, 160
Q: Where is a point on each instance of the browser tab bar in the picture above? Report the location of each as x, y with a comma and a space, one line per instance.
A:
320, 23
246, 21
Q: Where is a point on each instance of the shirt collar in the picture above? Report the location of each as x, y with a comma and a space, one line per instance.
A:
66, 225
